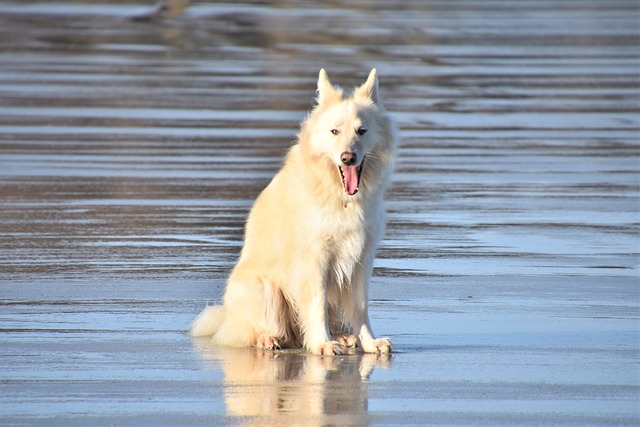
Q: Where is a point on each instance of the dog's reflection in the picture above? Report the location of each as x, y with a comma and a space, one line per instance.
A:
293, 384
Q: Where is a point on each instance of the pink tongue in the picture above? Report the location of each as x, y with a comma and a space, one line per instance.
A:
350, 179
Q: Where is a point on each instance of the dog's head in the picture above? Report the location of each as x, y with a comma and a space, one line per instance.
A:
347, 128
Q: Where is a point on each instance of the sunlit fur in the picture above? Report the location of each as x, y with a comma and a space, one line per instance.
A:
303, 273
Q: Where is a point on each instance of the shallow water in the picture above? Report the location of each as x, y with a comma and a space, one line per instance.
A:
132, 144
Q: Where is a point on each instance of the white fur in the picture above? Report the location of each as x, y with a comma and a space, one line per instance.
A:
302, 277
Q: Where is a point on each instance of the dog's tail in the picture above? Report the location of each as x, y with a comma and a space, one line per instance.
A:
208, 322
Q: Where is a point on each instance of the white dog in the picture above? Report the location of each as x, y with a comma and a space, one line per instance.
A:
310, 239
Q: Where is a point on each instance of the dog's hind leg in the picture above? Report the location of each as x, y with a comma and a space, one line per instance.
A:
277, 319
339, 330
267, 341
345, 338
257, 314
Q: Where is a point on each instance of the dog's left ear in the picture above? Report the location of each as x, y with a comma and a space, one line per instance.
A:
370, 88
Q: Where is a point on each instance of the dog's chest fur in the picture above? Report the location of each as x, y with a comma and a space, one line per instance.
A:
346, 244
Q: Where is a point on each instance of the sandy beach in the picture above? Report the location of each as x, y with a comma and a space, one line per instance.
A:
133, 140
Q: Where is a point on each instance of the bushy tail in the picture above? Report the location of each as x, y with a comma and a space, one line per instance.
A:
208, 322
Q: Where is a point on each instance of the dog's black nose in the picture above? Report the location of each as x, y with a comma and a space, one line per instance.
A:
348, 159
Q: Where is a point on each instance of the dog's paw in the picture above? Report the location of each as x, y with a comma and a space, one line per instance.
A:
329, 348
347, 340
379, 346
268, 342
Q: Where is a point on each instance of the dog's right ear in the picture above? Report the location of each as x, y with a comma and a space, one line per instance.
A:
326, 91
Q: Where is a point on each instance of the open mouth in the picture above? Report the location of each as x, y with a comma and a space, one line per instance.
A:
351, 177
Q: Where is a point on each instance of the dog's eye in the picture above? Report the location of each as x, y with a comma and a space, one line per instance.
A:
361, 131
335, 131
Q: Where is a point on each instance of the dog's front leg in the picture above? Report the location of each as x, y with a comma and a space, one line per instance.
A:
357, 312
313, 317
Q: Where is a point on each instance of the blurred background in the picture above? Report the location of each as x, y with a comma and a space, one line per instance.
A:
135, 135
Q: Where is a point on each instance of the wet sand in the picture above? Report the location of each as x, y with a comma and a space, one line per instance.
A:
133, 142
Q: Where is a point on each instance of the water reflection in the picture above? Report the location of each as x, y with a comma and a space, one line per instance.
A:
292, 385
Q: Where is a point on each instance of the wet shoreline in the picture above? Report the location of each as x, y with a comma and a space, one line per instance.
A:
133, 142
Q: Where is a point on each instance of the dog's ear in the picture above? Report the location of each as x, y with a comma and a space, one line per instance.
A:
326, 91
370, 88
